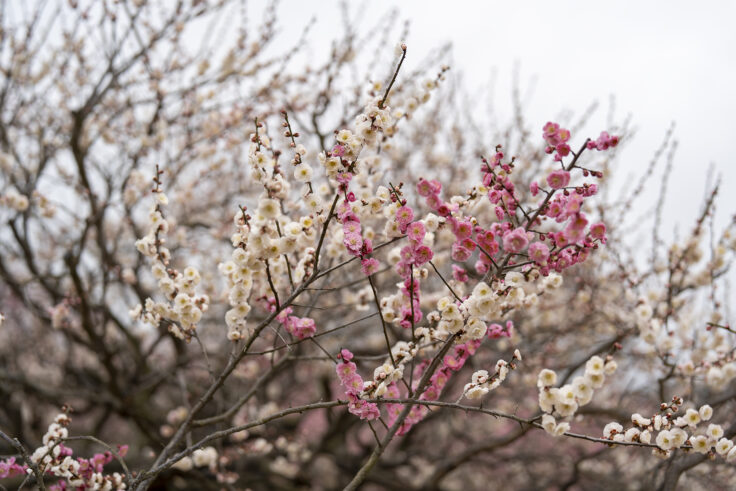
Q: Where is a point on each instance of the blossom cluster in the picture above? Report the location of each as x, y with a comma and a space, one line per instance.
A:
259, 261
201, 457
705, 352
470, 318
452, 362
563, 402
466, 320
341, 165
56, 459
300, 327
14, 200
556, 139
671, 431
352, 382
395, 248
482, 383
555, 250
384, 376
603, 142
355, 243
20, 202
184, 308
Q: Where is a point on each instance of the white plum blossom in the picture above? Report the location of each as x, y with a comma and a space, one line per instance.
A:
611, 429
547, 378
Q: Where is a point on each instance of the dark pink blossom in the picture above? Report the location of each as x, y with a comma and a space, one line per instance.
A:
598, 230
404, 215
460, 253
422, 255
515, 240
424, 188
538, 252
558, 179
459, 274
416, 232
496, 331
369, 266
337, 151
462, 229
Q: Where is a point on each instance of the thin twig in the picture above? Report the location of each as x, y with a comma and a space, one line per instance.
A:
393, 79
445, 282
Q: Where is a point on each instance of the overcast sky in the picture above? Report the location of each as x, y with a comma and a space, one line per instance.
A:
663, 61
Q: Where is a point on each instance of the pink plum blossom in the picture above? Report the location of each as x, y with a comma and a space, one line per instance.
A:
369, 266
515, 240
558, 179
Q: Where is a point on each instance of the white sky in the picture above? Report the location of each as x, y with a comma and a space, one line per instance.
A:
663, 61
